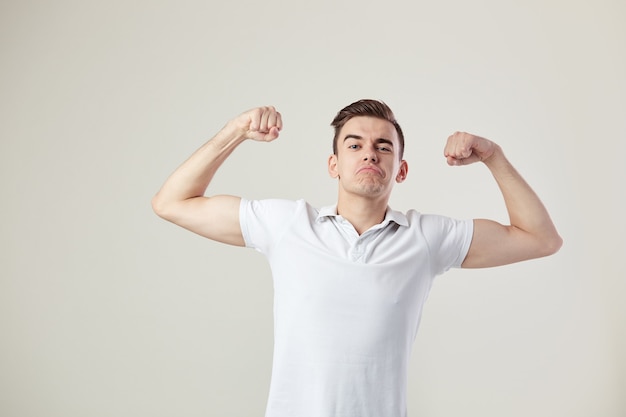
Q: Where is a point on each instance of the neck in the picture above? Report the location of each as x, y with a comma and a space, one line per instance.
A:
361, 212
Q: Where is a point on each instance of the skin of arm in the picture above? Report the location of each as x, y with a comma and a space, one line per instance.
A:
181, 199
531, 233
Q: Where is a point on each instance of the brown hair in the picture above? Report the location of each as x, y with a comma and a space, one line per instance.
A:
366, 107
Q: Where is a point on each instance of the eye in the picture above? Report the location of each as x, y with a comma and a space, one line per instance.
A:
384, 149
353, 146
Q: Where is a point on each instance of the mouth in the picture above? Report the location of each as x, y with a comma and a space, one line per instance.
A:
369, 169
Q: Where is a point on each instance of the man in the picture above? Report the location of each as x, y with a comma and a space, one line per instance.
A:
350, 280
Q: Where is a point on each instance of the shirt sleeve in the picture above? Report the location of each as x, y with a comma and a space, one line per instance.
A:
263, 222
448, 241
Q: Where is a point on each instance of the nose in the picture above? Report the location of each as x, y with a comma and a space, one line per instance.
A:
370, 156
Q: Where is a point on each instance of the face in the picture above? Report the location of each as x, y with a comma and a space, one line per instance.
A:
367, 162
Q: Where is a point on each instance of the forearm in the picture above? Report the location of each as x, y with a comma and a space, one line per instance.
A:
193, 177
526, 211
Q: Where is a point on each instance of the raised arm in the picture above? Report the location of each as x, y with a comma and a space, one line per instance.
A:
531, 233
181, 199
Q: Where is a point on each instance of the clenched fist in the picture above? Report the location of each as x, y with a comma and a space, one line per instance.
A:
262, 124
464, 148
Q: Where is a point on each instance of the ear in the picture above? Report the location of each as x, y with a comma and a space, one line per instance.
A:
332, 166
402, 172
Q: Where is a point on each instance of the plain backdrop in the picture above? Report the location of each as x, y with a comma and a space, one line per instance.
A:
107, 310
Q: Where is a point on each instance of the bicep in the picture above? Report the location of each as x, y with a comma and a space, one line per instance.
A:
494, 244
216, 217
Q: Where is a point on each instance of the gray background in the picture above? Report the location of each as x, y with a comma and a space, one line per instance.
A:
106, 310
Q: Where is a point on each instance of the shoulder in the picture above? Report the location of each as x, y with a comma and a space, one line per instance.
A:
264, 222
273, 204
436, 224
273, 210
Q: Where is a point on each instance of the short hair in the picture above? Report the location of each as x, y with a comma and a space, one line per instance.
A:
366, 107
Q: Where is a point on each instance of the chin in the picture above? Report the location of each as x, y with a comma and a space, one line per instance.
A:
367, 188
371, 189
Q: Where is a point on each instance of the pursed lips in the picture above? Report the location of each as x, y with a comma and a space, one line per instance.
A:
370, 168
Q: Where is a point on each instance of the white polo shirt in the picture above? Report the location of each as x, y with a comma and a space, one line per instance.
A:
347, 307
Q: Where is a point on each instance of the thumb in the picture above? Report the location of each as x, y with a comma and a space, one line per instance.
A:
268, 136
273, 133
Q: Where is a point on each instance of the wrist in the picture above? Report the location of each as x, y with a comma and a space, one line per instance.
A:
232, 133
498, 164
495, 157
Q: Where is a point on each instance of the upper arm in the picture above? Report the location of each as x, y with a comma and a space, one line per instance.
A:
216, 217
494, 244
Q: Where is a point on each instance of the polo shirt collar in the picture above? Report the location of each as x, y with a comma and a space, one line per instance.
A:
390, 215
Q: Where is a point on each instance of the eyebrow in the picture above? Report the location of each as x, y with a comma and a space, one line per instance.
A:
379, 140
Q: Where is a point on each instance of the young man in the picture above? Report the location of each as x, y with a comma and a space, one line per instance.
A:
350, 280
